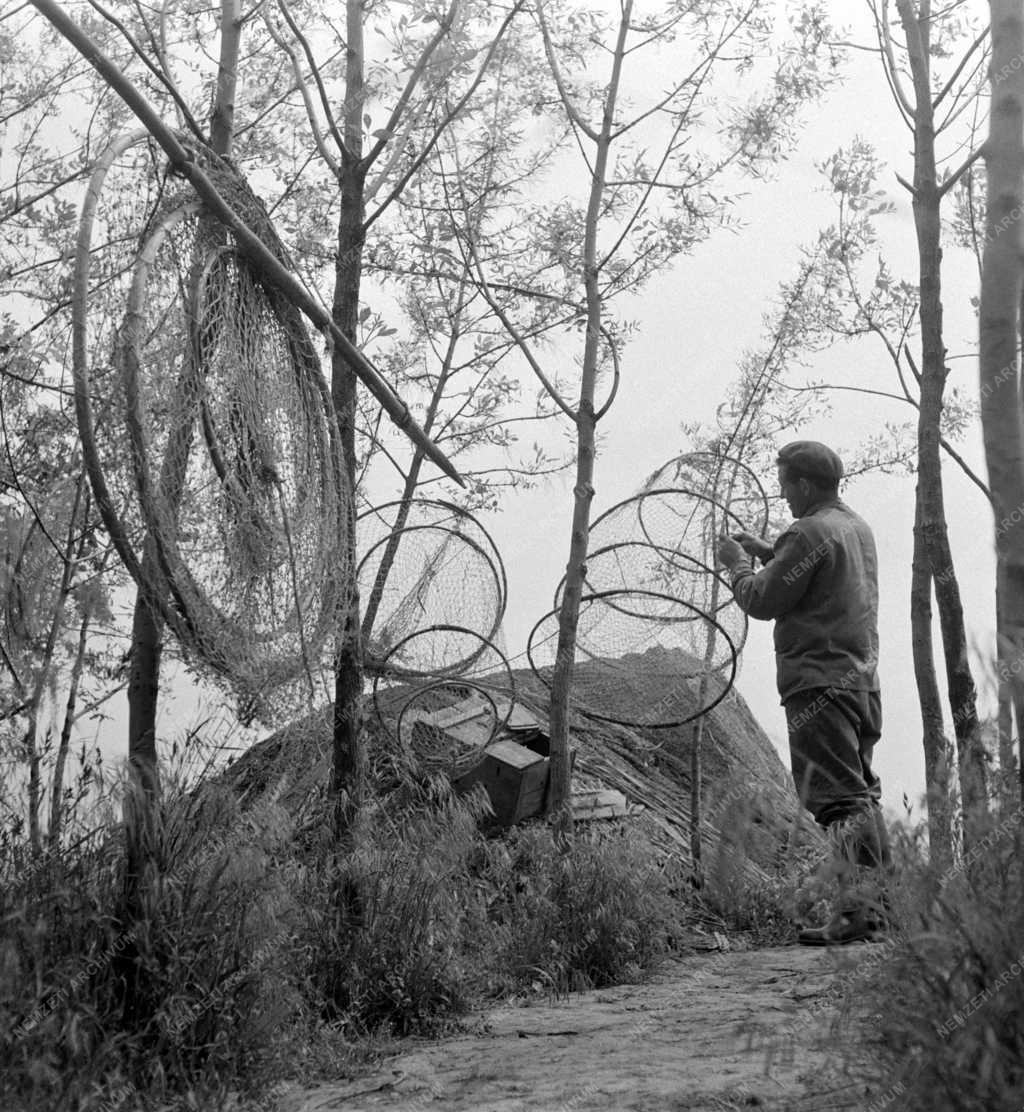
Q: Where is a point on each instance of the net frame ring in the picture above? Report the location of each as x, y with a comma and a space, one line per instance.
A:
671, 556
474, 754
462, 516
601, 596
753, 492
496, 571
385, 671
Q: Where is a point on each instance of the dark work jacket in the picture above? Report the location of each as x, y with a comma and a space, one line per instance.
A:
821, 587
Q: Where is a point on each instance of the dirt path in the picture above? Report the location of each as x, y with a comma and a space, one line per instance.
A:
725, 1030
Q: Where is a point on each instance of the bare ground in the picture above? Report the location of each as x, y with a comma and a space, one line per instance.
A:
709, 1032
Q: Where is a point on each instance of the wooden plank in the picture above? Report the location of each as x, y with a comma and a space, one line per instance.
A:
472, 707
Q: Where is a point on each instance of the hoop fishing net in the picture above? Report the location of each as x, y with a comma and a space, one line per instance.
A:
657, 622
445, 692
426, 566
728, 482
628, 566
447, 725
220, 462
640, 649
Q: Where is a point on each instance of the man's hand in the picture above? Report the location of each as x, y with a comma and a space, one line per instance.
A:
729, 553
754, 546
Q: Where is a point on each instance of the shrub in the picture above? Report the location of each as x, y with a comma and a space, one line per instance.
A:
192, 991
766, 908
385, 934
950, 1000
594, 916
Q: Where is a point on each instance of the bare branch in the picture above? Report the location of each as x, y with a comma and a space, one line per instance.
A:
307, 100
570, 109
889, 68
959, 172
314, 69
944, 91
158, 73
906, 185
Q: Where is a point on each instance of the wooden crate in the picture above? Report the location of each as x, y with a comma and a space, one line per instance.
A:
515, 779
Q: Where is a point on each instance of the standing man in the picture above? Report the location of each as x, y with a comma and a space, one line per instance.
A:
819, 583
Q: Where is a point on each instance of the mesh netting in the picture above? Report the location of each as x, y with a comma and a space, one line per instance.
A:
629, 566
447, 725
657, 622
728, 482
642, 649
427, 567
433, 669
233, 471
674, 519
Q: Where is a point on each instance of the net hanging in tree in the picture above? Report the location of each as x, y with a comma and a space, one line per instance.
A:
217, 464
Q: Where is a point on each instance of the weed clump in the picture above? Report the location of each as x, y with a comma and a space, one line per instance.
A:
949, 1001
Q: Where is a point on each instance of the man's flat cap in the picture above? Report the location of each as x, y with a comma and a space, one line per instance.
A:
808, 459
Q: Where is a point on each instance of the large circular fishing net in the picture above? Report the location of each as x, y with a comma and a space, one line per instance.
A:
639, 658
426, 567
628, 566
445, 692
433, 589
659, 631
680, 527
217, 461
448, 724
727, 482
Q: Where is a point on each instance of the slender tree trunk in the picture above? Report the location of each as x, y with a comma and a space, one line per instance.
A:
147, 624
930, 510
999, 367
142, 796
57, 788
933, 737
559, 795
35, 784
412, 478
349, 763
1010, 797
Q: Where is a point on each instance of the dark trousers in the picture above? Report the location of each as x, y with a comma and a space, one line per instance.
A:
832, 736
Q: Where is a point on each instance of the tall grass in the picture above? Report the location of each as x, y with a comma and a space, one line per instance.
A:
246, 949
558, 922
948, 1002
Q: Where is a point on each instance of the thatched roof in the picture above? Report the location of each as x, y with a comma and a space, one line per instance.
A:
748, 795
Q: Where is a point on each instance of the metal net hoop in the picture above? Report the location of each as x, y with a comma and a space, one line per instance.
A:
441, 652
435, 749
624, 565
675, 519
380, 521
612, 628
728, 480
418, 663
426, 564
638, 565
